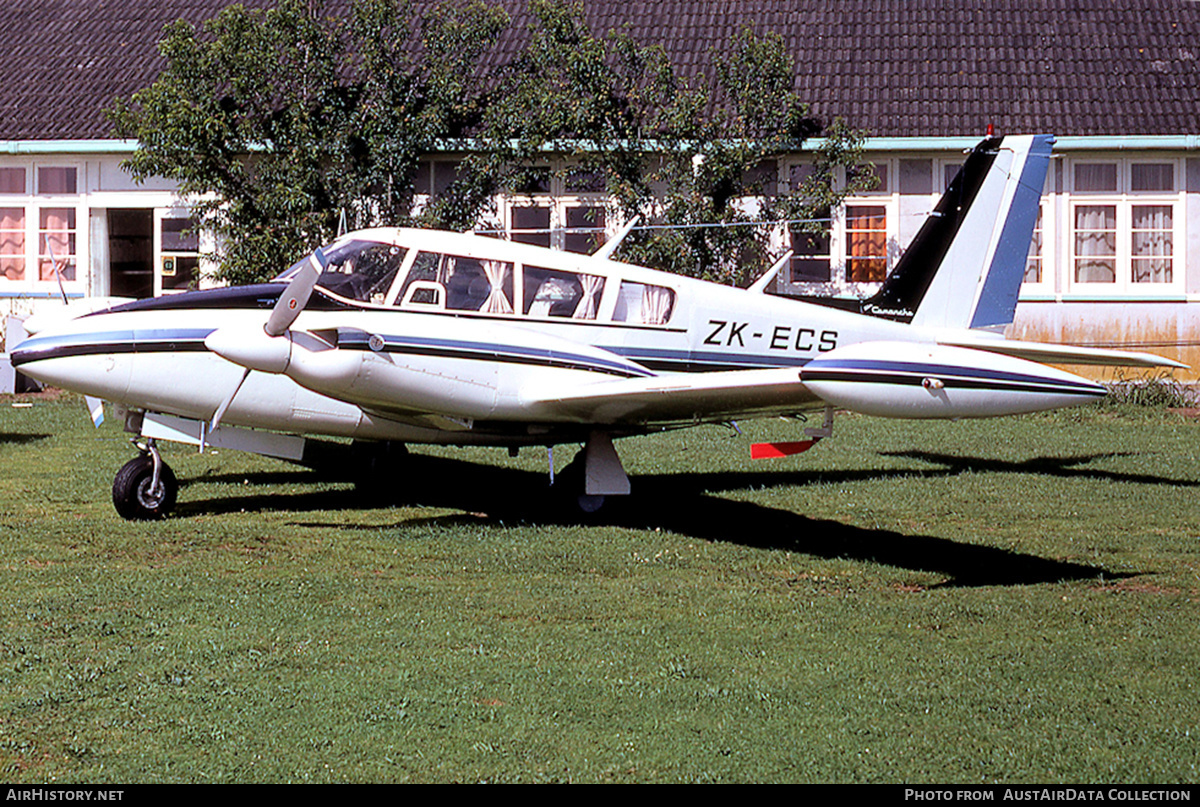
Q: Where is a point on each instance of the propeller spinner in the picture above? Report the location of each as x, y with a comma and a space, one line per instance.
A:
268, 350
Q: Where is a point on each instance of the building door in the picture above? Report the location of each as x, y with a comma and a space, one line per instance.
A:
131, 253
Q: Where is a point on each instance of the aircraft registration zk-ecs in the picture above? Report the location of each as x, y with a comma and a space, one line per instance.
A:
409, 336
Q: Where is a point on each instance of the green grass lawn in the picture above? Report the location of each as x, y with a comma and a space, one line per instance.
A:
991, 601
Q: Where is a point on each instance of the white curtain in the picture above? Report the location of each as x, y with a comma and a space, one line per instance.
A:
1096, 244
656, 304
57, 236
1152, 243
587, 305
12, 243
497, 301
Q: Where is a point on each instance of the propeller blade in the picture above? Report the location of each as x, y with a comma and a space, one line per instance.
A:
296, 295
220, 413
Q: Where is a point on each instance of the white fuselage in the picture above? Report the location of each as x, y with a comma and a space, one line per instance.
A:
414, 362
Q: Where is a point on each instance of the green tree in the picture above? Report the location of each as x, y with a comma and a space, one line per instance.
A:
682, 157
276, 122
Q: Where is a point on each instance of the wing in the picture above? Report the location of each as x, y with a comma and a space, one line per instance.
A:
886, 379
683, 398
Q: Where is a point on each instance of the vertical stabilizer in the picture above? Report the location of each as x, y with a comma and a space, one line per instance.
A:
964, 267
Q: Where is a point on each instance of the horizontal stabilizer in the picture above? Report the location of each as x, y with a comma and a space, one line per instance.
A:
1062, 354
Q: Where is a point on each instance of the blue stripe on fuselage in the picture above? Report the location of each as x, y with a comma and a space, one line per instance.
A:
943, 371
155, 340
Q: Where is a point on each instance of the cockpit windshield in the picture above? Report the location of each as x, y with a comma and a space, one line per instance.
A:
357, 270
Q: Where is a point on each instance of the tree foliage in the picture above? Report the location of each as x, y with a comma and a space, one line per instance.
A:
687, 158
278, 121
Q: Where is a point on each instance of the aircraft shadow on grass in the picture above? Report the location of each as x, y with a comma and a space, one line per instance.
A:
683, 504
1064, 467
20, 439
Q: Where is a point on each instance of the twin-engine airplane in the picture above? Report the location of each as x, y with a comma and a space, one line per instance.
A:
407, 336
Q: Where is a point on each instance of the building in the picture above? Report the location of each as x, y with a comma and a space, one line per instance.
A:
1115, 261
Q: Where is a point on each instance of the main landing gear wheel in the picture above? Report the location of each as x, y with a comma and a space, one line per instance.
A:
138, 496
569, 484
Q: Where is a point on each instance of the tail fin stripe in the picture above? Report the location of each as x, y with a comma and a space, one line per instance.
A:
1002, 284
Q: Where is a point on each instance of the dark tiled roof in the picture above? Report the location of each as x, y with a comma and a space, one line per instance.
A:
891, 67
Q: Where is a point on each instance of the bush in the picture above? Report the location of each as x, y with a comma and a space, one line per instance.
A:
1162, 391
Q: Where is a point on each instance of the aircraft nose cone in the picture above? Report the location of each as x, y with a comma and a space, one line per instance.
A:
93, 362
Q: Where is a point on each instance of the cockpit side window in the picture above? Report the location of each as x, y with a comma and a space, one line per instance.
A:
362, 271
644, 303
551, 293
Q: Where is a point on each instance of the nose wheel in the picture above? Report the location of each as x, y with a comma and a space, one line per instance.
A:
145, 487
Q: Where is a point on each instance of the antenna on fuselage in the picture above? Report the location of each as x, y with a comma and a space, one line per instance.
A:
610, 246
761, 284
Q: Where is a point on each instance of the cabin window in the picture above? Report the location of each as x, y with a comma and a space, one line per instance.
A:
469, 284
424, 272
644, 303
475, 285
551, 293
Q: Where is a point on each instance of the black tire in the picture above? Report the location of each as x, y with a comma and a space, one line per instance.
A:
569, 485
131, 490
376, 468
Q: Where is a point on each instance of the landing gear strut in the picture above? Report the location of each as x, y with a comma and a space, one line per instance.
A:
145, 487
594, 474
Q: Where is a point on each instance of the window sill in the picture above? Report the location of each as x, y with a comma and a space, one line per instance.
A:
1125, 297
38, 295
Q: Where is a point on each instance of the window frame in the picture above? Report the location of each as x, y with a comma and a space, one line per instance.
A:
1042, 288
1124, 200
887, 196
34, 202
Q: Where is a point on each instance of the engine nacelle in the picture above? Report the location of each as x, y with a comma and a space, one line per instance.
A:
916, 380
